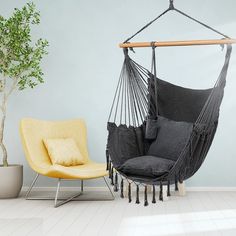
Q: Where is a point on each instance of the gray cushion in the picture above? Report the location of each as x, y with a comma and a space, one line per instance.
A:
149, 166
172, 136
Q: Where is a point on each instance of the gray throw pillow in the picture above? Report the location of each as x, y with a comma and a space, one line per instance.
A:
172, 137
148, 166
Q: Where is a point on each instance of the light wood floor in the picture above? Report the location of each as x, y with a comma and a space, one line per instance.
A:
198, 213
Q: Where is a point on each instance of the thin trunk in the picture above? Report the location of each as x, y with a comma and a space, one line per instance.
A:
4, 150
2, 122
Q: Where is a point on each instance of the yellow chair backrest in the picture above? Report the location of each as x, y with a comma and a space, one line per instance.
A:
34, 131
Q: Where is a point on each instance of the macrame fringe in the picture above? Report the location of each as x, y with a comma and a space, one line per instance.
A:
122, 188
145, 196
129, 192
109, 169
161, 192
116, 187
112, 178
176, 185
153, 194
137, 195
107, 156
168, 188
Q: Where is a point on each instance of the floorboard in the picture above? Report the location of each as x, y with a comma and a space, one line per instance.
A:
197, 213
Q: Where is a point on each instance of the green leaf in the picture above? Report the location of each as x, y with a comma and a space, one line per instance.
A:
20, 58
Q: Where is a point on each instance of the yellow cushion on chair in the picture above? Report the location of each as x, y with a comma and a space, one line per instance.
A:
63, 151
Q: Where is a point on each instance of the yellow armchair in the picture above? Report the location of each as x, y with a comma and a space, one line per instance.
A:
32, 134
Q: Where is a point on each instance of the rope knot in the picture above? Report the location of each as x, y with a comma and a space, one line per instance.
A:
125, 50
171, 6
153, 44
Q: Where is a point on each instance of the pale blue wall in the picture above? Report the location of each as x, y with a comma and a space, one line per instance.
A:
83, 65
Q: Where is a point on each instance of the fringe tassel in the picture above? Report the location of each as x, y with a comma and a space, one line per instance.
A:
168, 189
116, 188
109, 169
112, 179
107, 156
129, 192
161, 192
122, 188
137, 195
176, 185
145, 196
153, 194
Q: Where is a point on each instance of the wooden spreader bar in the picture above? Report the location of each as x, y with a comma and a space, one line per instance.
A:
178, 43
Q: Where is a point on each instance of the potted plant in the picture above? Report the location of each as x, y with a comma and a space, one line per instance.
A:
20, 68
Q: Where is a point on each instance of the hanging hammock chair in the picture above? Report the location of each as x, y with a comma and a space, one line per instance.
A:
160, 133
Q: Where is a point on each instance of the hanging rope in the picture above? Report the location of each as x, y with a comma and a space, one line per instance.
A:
201, 23
130, 103
172, 8
144, 27
154, 69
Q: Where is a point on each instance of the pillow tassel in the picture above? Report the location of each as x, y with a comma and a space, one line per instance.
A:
122, 188
129, 192
168, 188
137, 195
116, 183
161, 192
153, 194
145, 196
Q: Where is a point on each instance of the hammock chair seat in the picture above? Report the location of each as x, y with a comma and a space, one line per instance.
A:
163, 150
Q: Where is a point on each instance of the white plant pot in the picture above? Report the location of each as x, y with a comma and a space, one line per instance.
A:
11, 180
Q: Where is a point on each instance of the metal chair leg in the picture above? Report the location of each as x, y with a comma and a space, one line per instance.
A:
56, 203
62, 201
32, 185
108, 186
57, 191
82, 186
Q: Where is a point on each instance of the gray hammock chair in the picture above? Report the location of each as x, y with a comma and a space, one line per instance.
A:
159, 133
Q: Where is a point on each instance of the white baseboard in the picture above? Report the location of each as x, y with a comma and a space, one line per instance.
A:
188, 189
69, 189
211, 189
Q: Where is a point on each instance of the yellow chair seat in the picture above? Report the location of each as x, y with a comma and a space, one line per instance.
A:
89, 170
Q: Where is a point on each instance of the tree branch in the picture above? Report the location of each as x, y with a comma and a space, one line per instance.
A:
13, 87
